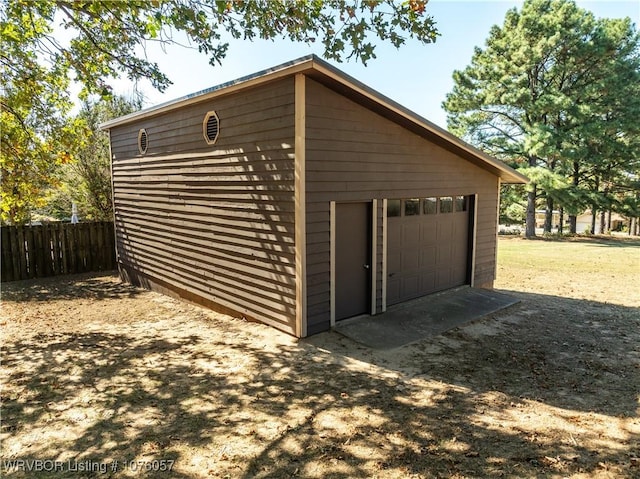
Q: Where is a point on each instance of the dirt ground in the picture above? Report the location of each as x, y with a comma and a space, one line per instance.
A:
101, 379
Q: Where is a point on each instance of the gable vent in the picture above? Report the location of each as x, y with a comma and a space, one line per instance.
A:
143, 141
211, 127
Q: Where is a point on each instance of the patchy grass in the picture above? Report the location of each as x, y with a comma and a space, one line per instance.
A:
578, 267
97, 374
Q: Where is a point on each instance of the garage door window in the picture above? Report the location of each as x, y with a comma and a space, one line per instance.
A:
412, 207
393, 208
427, 206
446, 204
430, 205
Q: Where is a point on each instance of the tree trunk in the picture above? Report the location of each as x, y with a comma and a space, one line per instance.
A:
530, 229
561, 223
548, 215
605, 227
594, 208
609, 220
575, 177
602, 222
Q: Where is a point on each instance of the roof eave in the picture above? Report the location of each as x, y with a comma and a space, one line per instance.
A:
279, 71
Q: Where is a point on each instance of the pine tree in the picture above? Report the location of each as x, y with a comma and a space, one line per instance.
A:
554, 92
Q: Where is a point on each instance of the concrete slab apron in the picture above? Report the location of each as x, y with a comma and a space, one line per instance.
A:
423, 317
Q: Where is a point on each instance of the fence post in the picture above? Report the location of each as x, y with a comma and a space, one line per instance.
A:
15, 256
32, 268
8, 270
93, 261
72, 233
23, 254
47, 250
55, 249
38, 251
35, 263
64, 263
111, 245
100, 246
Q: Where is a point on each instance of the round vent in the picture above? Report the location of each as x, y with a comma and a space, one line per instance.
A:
211, 127
143, 141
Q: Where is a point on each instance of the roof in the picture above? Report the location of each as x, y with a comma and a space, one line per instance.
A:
326, 74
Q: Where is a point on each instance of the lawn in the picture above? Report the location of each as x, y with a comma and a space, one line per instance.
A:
101, 379
588, 268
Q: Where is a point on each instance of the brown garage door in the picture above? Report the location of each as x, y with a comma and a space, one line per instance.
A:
428, 243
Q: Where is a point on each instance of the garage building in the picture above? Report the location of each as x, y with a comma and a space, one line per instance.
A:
299, 197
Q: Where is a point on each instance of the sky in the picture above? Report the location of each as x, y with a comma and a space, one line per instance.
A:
417, 76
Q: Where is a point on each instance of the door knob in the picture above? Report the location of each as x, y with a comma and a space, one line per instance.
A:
366, 266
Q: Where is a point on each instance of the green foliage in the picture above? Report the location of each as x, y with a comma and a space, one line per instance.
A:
108, 39
34, 134
512, 207
87, 180
556, 91
105, 35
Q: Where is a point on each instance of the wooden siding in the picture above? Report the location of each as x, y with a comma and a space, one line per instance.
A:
215, 222
354, 154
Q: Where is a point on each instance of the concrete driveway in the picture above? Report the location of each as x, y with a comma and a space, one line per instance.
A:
424, 317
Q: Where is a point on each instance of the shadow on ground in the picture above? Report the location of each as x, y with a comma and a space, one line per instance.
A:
66, 287
306, 405
574, 354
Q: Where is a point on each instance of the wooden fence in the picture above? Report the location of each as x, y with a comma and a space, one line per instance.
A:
57, 248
